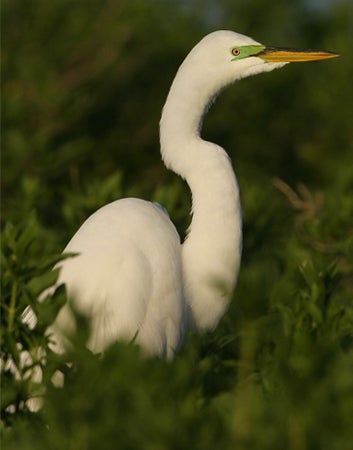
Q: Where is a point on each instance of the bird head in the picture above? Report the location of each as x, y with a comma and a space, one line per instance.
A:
227, 56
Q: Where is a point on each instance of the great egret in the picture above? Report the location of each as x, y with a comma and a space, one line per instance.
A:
132, 276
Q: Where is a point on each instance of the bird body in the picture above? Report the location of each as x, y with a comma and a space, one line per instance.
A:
127, 277
132, 277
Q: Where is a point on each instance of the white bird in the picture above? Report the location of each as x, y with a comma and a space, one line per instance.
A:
132, 276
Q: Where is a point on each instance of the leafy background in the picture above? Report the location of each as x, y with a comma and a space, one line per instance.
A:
83, 84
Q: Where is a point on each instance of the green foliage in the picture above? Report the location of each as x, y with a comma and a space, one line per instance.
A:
23, 281
83, 85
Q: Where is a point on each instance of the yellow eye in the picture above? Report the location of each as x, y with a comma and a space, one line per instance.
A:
235, 51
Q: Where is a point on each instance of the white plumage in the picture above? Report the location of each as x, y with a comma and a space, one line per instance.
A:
132, 276
127, 277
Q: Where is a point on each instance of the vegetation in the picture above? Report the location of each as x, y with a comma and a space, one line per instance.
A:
83, 84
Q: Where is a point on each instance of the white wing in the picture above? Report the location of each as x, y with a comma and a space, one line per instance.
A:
127, 277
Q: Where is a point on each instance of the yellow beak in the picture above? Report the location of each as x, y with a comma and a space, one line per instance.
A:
277, 54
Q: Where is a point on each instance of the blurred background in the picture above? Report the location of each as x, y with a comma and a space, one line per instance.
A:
83, 85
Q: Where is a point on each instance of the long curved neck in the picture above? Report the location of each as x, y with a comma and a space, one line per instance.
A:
212, 249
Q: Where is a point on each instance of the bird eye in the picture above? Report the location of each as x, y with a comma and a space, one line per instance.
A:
235, 51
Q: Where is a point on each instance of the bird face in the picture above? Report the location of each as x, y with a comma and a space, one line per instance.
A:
237, 56
242, 47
